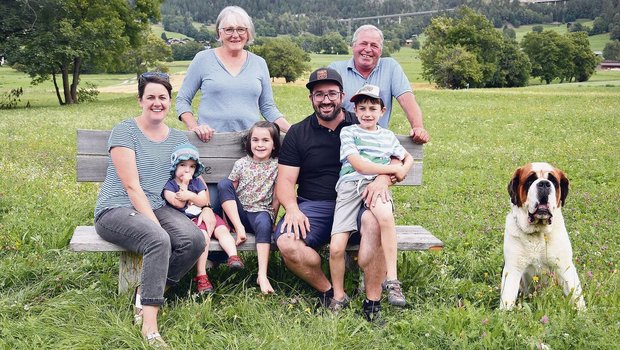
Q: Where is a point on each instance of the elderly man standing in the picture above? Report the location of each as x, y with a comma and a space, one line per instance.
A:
367, 67
309, 158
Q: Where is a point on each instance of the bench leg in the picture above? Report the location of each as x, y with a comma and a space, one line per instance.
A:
129, 270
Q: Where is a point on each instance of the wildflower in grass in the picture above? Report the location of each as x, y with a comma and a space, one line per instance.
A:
485, 322
536, 279
544, 319
590, 274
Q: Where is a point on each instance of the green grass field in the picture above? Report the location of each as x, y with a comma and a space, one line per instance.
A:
52, 298
597, 42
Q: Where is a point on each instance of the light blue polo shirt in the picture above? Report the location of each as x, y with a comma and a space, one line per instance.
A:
388, 75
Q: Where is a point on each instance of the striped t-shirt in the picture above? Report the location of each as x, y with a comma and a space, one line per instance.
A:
152, 161
374, 146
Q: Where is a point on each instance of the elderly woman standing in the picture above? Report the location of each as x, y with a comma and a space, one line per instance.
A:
235, 83
130, 210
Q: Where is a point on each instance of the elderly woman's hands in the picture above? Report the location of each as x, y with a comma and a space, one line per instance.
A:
204, 132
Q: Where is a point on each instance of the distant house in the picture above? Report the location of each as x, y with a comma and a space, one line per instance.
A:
609, 64
172, 41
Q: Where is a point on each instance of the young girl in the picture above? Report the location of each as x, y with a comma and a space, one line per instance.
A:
187, 192
247, 195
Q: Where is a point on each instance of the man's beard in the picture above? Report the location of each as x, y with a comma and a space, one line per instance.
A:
327, 117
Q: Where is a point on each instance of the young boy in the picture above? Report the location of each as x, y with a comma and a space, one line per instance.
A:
366, 151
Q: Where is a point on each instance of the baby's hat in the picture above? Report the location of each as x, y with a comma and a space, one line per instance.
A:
186, 151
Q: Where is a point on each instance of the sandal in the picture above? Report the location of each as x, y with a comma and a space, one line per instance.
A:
235, 262
137, 304
155, 340
337, 305
203, 285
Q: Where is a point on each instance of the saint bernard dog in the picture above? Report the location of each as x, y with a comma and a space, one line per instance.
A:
535, 237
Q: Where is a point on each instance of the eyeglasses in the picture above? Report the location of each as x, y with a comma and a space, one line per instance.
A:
331, 95
231, 30
159, 75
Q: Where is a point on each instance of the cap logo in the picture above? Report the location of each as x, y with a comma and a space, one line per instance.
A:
322, 74
366, 88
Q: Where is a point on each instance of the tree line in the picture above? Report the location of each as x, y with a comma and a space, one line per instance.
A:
61, 39
466, 51
294, 17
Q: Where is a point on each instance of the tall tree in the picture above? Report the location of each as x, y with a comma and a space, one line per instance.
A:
468, 51
612, 50
566, 57
284, 58
47, 38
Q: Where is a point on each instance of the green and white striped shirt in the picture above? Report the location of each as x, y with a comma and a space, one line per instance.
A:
374, 146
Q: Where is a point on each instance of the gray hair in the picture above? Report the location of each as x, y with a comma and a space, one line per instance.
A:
364, 28
239, 15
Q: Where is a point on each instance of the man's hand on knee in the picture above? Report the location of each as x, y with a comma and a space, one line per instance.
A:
377, 190
295, 223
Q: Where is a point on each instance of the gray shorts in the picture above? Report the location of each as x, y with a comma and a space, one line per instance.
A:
348, 205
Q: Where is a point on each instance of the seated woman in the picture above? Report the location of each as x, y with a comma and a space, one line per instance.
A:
130, 210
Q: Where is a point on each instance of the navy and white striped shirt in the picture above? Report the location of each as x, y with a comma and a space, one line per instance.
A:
152, 161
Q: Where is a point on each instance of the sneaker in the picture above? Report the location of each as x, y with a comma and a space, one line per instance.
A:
372, 311
337, 305
235, 262
203, 285
395, 293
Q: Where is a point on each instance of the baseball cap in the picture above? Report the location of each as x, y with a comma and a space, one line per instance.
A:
367, 90
324, 75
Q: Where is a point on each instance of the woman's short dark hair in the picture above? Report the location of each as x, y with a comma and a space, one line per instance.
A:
155, 78
274, 132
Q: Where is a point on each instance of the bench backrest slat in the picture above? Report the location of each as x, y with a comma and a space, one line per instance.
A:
218, 155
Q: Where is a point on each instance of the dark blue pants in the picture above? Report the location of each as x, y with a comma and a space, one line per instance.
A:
258, 223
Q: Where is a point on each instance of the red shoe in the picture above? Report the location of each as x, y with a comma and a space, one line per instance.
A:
235, 262
203, 285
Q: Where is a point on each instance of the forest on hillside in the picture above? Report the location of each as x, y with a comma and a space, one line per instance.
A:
498, 11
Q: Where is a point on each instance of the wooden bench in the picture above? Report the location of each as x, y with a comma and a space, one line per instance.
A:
218, 156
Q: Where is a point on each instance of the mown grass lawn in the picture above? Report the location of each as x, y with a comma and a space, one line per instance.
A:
53, 298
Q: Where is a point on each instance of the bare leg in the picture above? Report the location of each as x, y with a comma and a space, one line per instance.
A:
337, 247
149, 314
370, 258
304, 262
201, 264
262, 250
227, 242
385, 217
232, 213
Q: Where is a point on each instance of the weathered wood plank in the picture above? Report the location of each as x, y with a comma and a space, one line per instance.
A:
218, 156
222, 145
129, 270
92, 168
86, 239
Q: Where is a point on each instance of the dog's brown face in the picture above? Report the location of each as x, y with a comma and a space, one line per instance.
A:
538, 188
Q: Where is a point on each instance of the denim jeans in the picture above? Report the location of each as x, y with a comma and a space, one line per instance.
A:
259, 223
168, 252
